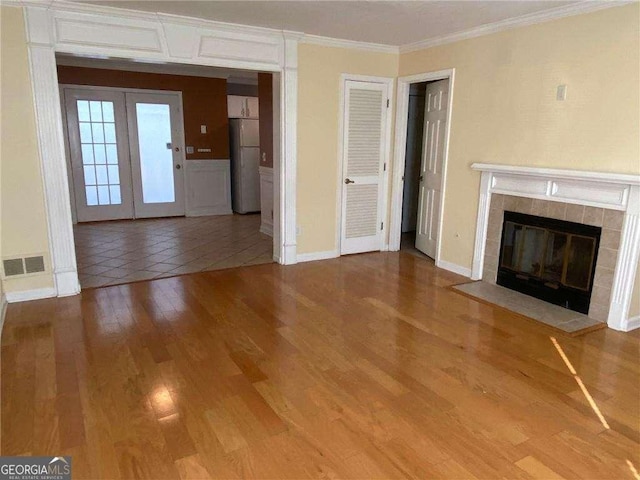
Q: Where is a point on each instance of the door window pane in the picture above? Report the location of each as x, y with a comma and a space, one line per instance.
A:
92, 195
98, 146
112, 154
156, 160
89, 175
101, 175
83, 111
87, 154
103, 195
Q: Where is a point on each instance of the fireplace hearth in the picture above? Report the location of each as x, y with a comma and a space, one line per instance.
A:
553, 260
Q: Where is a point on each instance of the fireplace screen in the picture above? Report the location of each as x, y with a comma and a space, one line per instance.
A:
547, 258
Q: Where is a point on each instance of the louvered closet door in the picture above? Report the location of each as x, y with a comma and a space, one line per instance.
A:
365, 111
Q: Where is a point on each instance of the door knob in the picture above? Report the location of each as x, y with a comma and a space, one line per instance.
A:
347, 181
178, 167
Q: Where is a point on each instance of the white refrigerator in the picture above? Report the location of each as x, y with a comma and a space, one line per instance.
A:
245, 160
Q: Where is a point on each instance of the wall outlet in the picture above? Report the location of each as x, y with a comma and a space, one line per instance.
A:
203, 129
561, 93
189, 150
298, 230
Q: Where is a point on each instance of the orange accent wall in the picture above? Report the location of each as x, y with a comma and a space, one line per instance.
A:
204, 101
265, 101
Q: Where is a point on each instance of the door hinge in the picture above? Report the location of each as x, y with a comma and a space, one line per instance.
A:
387, 103
381, 225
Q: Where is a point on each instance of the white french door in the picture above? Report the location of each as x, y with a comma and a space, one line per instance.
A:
155, 138
365, 121
125, 153
430, 189
99, 154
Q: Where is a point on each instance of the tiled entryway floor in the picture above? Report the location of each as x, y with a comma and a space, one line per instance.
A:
111, 253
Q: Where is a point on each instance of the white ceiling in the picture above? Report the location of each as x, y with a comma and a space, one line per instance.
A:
384, 22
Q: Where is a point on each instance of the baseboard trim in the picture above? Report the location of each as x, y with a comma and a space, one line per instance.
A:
452, 267
313, 256
206, 211
633, 323
26, 295
266, 229
3, 311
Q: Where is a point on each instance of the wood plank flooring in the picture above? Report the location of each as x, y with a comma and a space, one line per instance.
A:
365, 366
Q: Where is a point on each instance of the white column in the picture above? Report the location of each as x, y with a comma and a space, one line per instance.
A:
44, 81
627, 264
484, 204
289, 122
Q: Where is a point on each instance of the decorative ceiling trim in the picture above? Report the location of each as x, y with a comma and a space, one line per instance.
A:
352, 44
516, 22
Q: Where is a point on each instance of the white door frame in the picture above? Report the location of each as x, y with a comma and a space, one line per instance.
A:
97, 31
387, 154
402, 114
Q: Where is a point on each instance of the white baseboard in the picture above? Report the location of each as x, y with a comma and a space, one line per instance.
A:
3, 311
266, 229
26, 295
209, 211
313, 256
633, 323
452, 267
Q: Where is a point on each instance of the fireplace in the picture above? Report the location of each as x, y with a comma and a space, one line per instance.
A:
550, 259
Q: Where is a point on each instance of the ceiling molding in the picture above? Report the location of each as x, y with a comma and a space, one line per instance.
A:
352, 44
512, 23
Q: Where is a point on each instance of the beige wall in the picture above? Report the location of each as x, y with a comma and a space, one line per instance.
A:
23, 225
634, 311
319, 70
505, 110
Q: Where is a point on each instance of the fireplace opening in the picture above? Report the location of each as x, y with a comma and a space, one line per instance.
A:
553, 260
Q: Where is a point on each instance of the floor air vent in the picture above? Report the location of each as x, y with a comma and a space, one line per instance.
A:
23, 266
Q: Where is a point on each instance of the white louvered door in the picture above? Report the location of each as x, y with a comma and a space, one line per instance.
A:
365, 117
430, 189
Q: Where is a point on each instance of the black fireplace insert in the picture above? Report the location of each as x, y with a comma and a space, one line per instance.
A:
553, 260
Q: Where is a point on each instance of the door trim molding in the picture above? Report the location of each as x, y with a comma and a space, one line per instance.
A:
390, 83
99, 31
399, 157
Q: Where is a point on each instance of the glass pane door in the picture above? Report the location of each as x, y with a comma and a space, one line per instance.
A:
155, 135
96, 124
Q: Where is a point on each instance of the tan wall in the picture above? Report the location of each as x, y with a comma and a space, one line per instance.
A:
23, 221
505, 110
319, 70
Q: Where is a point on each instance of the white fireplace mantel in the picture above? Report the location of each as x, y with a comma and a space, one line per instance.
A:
596, 189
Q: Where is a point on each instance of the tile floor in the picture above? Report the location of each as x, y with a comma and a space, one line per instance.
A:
112, 253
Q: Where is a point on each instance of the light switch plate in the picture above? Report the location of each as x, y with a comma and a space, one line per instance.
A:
203, 129
561, 93
189, 149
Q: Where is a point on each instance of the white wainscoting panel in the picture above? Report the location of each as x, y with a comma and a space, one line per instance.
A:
266, 200
208, 187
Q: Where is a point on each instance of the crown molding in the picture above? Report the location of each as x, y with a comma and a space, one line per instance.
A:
352, 44
516, 22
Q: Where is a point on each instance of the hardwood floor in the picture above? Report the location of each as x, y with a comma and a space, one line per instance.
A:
365, 366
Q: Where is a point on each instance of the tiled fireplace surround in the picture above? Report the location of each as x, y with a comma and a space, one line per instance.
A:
610, 201
609, 220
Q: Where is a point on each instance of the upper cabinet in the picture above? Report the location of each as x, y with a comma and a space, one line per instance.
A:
242, 107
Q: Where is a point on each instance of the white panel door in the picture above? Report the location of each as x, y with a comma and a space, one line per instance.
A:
99, 152
430, 190
365, 111
156, 145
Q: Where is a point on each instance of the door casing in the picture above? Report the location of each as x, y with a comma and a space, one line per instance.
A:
402, 112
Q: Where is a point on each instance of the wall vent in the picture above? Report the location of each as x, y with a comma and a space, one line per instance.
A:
34, 264
23, 266
13, 267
